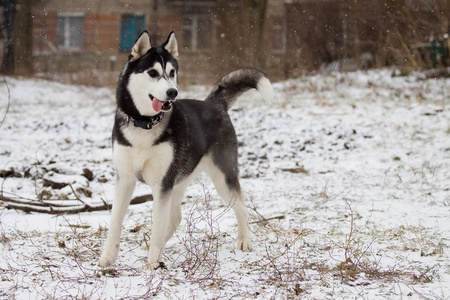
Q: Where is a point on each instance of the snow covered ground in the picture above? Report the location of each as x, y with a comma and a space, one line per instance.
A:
346, 177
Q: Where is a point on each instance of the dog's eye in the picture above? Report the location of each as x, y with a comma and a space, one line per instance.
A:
172, 73
153, 73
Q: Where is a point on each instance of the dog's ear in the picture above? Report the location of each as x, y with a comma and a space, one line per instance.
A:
171, 45
141, 46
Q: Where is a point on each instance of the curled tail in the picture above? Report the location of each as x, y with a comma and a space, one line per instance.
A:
226, 91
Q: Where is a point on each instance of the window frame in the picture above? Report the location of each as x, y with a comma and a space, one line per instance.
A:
195, 34
279, 27
69, 40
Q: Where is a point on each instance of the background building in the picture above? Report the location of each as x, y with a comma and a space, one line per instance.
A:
90, 39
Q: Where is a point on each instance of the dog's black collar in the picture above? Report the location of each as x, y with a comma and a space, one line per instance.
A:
146, 122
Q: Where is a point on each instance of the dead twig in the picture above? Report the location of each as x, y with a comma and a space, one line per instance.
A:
281, 217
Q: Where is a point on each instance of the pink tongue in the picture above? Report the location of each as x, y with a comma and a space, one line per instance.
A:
157, 105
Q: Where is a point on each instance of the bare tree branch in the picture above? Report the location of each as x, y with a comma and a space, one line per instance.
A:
9, 102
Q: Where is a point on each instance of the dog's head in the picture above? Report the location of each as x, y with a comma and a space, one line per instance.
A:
150, 75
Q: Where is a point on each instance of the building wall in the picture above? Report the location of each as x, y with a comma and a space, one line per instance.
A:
102, 28
44, 31
101, 32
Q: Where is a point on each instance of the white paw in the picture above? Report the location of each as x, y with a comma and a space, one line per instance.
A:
106, 259
154, 265
244, 244
104, 262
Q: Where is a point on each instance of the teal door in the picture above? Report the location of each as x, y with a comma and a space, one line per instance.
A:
130, 28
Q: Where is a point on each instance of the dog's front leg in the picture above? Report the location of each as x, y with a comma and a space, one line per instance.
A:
122, 196
161, 219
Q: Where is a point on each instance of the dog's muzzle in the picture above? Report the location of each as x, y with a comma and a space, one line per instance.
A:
167, 105
172, 94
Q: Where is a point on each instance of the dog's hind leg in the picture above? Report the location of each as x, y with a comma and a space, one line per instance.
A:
229, 190
122, 196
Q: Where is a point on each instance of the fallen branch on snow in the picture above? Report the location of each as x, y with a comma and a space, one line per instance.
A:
36, 206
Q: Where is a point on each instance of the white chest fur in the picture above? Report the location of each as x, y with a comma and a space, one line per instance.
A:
143, 159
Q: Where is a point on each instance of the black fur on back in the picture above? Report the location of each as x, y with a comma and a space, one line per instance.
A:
195, 129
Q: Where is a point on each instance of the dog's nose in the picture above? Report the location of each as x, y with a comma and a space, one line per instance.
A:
172, 93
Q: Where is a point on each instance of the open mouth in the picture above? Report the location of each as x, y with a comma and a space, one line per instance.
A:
159, 105
167, 105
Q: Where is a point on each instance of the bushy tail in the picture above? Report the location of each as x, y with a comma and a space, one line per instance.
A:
231, 86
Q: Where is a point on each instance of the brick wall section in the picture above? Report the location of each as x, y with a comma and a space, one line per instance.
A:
94, 7
101, 32
160, 27
44, 30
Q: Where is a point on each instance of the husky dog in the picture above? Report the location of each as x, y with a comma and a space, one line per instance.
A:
166, 143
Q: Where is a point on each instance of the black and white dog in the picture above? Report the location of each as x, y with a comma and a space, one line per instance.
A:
166, 143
